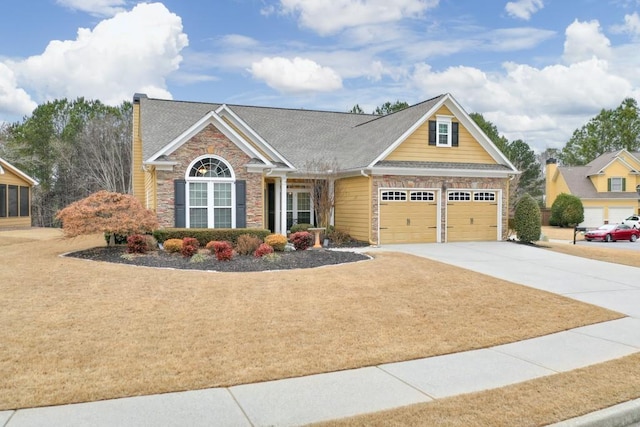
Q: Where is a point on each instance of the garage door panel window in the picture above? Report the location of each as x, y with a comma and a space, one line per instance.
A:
459, 196
484, 196
422, 196
394, 196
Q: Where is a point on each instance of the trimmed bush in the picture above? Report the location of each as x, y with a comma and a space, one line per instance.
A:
222, 250
190, 247
527, 219
276, 241
137, 244
566, 210
205, 235
172, 245
247, 244
300, 227
263, 250
301, 240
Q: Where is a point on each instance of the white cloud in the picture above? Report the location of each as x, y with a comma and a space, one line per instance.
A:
631, 25
523, 9
95, 7
547, 103
13, 100
295, 76
585, 40
132, 52
329, 17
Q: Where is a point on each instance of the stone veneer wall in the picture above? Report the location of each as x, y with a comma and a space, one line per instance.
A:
213, 142
451, 183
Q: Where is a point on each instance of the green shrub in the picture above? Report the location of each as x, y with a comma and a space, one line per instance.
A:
301, 240
276, 241
189, 247
198, 258
300, 227
120, 239
263, 250
247, 244
172, 245
137, 244
527, 219
206, 235
566, 210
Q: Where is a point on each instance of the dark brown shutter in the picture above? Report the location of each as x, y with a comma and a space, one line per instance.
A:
454, 134
241, 204
432, 132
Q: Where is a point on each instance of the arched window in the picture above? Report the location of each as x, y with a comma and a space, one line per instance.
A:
210, 193
210, 167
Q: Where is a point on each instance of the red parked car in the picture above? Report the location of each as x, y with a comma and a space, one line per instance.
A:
612, 232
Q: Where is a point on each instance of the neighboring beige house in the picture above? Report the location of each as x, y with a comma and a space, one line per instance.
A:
423, 174
608, 186
15, 196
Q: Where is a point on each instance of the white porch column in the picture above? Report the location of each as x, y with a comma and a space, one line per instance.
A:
283, 205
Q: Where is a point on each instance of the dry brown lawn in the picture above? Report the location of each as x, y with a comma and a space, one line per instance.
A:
608, 254
75, 330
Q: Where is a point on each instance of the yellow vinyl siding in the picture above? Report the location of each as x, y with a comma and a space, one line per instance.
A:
416, 147
137, 173
150, 187
555, 184
353, 207
614, 170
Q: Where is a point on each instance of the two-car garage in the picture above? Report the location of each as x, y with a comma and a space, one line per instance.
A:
413, 216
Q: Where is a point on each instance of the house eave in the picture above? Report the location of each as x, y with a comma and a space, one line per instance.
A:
466, 173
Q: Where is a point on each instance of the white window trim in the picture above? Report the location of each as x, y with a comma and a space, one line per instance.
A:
210, 188
294, 203
443, 120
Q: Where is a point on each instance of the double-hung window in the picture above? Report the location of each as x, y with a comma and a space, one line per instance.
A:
617, 184
444, 131
210, 194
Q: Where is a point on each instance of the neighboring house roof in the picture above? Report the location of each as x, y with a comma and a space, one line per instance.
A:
6, 165
354, 141
577, 178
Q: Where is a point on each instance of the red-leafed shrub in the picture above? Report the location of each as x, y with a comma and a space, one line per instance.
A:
301, 240
172, 245
222, 250
189, 247
137, 244
263, 250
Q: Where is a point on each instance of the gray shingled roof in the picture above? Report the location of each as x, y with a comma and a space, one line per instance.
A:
580, 185
301, 136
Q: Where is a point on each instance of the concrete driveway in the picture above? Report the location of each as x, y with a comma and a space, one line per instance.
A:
613, 286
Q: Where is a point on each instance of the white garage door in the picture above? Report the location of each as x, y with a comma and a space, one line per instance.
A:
616, 215
593, 217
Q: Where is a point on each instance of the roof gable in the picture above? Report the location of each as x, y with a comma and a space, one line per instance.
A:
600, 164
211, 118
9, 167
448, 101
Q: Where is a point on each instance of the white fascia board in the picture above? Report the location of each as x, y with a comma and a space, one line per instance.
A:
209, 118
407, 133
225, 111
466, 173
477, 133
17, 171
466, 120
161, 166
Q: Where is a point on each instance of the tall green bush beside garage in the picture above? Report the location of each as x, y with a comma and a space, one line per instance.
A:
527, 219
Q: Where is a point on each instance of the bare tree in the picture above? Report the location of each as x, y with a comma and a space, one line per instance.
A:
321, 174
106, 153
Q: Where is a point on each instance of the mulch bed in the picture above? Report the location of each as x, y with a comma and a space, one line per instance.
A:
240, 263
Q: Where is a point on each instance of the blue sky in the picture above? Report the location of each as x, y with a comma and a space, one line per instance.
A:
538, 69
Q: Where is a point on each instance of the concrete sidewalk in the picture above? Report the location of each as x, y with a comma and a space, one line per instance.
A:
303, 400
